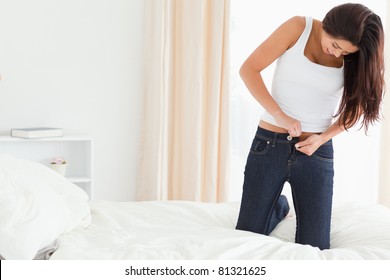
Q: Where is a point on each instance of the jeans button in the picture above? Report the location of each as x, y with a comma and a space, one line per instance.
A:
289, 138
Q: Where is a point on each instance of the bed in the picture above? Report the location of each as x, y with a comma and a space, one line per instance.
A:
45, 216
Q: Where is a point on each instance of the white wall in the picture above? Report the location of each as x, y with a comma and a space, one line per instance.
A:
77, 64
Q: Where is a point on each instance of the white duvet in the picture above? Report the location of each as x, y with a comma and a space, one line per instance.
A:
190, 230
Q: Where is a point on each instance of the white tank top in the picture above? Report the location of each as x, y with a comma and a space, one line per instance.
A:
304, 90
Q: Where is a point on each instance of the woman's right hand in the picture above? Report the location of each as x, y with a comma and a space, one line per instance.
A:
290, 124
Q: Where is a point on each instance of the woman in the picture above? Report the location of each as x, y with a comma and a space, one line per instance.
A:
318, 64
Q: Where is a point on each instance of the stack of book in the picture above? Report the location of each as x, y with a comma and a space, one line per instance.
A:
36, 132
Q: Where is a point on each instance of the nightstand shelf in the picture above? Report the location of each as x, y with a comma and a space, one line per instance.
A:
76, 150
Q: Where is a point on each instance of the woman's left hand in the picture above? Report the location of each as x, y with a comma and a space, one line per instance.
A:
310, 145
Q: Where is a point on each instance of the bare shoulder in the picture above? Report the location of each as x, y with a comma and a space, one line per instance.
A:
283, 38
297, 22
293, 28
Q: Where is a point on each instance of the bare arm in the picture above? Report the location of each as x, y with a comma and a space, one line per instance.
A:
312, 143
283, 38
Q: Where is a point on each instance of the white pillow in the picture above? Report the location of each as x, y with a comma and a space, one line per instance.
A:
37, 205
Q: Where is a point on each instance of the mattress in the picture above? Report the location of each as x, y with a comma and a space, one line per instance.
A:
184, 230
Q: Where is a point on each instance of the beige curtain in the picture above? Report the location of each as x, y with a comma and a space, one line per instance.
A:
184, 144
384, 172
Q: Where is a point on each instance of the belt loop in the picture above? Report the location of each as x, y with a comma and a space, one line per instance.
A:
274, 141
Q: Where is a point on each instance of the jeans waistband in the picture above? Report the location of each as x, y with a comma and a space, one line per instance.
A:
275, 136
279, 137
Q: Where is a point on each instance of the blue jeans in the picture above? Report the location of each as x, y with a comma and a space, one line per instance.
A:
274, 160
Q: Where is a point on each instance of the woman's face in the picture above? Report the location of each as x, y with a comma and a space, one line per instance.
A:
336, 47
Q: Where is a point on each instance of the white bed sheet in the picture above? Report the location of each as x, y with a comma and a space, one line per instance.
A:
191, 231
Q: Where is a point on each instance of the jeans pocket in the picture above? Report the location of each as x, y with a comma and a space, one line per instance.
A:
259, 146
324, 153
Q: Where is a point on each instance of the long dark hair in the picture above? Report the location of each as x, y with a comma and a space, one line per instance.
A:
364, 69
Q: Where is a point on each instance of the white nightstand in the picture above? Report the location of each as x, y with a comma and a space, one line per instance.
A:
77, 151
